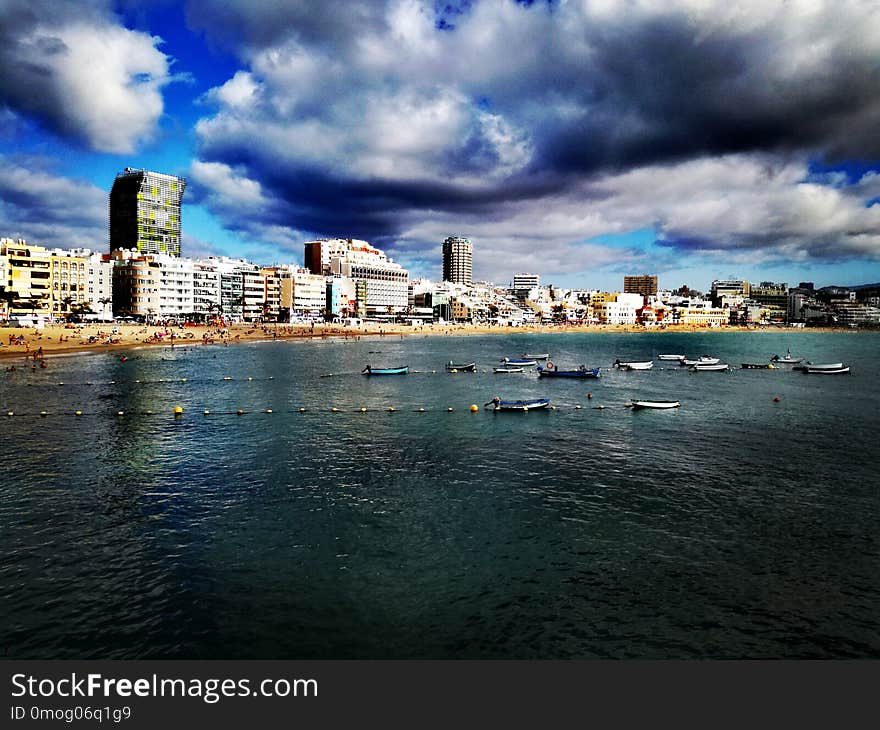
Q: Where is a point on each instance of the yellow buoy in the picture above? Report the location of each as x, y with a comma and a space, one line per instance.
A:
474, 408
10, 413
268, 410
43, 413
77, 413
391, 409
149, 413
363, 410
183, 380
334, 410
178, 410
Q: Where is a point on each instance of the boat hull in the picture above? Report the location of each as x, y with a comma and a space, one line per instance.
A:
508, 370
385, 371
469, 367
720, 367
822, 371
522, 405
655, 404
543, 356
670, 357
519, 363
544, 373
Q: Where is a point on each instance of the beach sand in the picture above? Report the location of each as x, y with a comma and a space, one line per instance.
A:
20, 343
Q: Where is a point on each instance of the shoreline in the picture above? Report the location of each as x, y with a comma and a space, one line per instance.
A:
55, 340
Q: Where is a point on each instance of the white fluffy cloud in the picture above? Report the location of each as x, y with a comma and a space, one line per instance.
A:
82, 74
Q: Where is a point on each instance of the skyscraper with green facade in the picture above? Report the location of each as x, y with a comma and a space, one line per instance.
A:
145, 211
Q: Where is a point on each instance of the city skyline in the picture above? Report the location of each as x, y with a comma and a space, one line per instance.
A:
683, 140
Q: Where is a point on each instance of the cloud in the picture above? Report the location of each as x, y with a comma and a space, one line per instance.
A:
538, 126
48, 209
78, 71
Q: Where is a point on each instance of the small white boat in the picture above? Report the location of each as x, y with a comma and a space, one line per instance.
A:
822, 370
719, 366
656, 404
508, 370
818, 366
670, 357
542, 356
704, 360
640, 365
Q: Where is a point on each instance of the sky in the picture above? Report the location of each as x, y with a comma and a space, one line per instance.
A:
580, 140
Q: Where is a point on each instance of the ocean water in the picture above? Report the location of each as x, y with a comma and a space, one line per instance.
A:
734, 526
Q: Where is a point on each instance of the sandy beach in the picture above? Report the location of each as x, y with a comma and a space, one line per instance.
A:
18, 343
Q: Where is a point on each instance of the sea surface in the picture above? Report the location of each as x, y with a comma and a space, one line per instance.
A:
734, 526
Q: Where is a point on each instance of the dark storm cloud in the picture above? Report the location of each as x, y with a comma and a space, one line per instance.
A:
366, 119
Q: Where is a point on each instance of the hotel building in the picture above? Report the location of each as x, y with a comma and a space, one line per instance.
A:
145, 212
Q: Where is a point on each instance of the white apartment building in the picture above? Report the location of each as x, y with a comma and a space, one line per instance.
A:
206, 288
176, 295
525, 281
618, 309
253, 292
303, 294
99, 285
387, 282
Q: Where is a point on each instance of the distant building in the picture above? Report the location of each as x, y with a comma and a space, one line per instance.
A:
729, 288
525, 281
145, 212
645, 285
458, 260
319, 253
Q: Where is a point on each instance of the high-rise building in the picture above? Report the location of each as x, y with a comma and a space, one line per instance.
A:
458, 260
145, 212
645, 285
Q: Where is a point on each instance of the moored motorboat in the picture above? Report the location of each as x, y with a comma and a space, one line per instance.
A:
370, 370
819, 366
469, 367
551, 371
825, 370
508, 370
670, 357
787, 359
703, 360
634, 365
519, 405
656, 404
519, 362
542, 356
714, 367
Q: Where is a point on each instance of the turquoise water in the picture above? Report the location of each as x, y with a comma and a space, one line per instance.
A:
734, 526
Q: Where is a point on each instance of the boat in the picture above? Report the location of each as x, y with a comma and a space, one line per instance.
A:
758, 366
508, 370
370, 370
787, 359
470, 367
818, 366
656, 404
519, 362
710, 367
637, 365
551, 371
542, 356
702, 360
518, 405
825, 370
670, 357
